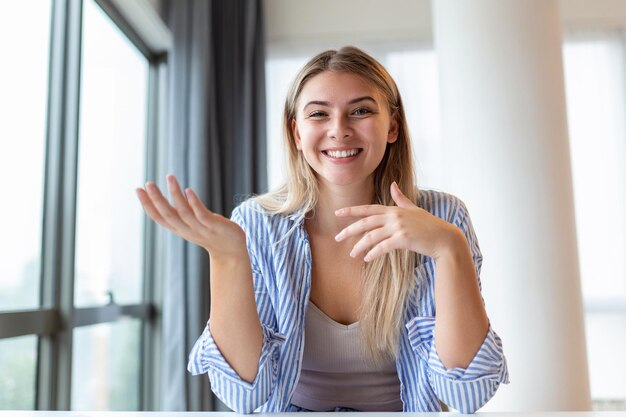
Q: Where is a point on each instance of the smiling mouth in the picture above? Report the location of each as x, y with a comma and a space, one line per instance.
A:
342, 154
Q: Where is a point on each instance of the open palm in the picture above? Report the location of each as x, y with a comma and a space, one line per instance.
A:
191, 220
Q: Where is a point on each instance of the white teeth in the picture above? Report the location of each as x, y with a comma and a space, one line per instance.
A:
342, 154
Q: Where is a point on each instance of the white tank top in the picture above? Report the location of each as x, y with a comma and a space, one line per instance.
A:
336, 371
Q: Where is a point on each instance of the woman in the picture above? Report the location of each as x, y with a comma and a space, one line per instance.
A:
324, 292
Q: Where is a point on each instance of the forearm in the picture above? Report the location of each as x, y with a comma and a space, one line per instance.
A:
461, 322
235, 324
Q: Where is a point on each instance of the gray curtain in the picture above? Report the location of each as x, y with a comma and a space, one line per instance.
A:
216, 145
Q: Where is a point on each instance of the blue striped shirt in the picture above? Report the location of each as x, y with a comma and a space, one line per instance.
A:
281, 269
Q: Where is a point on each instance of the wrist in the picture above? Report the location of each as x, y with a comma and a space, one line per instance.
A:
229, 260
229, 254
227, 270
452, 245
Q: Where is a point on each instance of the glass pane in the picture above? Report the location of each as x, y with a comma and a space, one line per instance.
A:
595, 86
279, 72
606, 344
106, 366
415, 72
18, 361
111, 164
24, 87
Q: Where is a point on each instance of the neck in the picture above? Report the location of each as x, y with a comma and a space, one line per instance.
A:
333, 197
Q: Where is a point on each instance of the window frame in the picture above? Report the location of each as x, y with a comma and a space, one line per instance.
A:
56, 317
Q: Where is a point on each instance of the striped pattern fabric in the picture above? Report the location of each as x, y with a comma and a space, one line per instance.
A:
281, 269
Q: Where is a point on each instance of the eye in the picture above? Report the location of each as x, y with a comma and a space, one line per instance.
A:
317, 114
361, 111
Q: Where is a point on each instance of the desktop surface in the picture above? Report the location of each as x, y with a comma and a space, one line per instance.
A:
230, 414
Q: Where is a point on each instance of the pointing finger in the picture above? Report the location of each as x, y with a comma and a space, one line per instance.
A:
357, 211
361, 226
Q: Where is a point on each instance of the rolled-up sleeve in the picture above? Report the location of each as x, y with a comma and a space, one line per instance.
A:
464, 389
240, 395
205, 357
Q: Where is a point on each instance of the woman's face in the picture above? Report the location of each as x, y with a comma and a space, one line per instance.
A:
342, 127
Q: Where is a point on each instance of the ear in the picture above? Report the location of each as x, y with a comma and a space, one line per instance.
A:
296, 134
394, 128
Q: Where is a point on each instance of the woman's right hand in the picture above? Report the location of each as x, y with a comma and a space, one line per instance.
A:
192, 221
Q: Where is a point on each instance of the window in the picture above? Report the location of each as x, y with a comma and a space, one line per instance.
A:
18, 360
595, 84
111, 164
76, 309
278, 74
109, 223
105, 371
24, 86
416, 70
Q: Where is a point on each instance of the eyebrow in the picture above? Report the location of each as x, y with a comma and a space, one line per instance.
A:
327, 104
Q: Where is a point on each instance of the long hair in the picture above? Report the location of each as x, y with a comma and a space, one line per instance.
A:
388, 280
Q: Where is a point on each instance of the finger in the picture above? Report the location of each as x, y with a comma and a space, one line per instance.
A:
357, 211
149, 208
382, 248
361, 226
167, 212
204, 215
180, 203
400, 199
368, 241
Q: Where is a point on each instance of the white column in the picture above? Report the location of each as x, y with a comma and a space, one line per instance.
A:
506, 154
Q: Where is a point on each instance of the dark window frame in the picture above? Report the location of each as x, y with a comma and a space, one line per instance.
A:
56, 318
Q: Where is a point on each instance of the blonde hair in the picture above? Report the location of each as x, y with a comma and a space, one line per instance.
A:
388, 280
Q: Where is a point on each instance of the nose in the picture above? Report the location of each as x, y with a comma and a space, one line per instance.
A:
340, 128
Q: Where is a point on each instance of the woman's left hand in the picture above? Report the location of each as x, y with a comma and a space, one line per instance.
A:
387, 228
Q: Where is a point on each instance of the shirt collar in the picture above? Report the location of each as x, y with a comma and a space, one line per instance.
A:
298, 215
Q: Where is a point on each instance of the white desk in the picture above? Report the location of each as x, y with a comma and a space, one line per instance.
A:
360, 414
